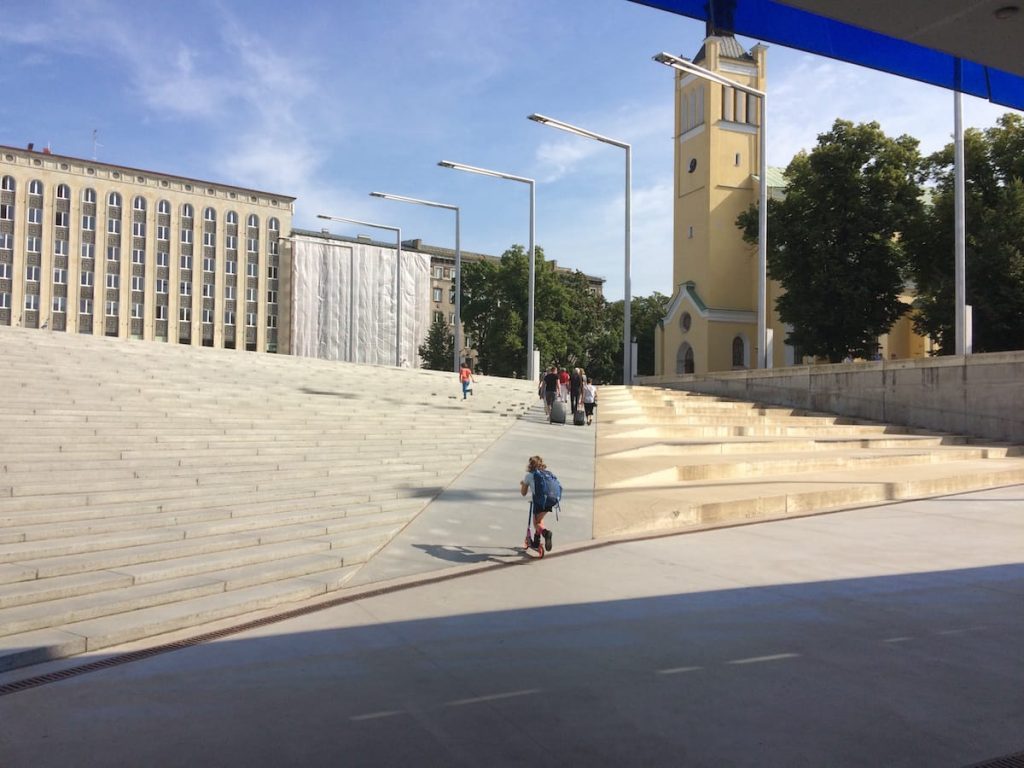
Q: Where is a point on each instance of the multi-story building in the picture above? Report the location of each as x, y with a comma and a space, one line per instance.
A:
90, 247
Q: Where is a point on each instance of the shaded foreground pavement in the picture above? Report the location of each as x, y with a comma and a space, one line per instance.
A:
884, 636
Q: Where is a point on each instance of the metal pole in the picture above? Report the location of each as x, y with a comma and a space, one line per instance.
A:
458, 294
762, 243
627, 345
398, 302
531, 374
960, 271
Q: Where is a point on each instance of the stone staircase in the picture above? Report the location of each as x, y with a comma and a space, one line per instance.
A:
668, 459
148, 488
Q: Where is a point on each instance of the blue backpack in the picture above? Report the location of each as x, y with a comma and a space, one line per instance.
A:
547, 491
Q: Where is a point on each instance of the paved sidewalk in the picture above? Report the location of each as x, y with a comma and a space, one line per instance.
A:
884, 636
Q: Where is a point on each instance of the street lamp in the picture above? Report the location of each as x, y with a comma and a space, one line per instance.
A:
531, 374
458, 263
687, 66
398, 288
627, 352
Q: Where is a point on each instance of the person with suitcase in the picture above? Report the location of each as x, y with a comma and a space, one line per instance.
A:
550, 385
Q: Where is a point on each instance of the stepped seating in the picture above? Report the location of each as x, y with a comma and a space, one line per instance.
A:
669, 459
148, 488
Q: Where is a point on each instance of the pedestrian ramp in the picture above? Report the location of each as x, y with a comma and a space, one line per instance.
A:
148, 488
672, 460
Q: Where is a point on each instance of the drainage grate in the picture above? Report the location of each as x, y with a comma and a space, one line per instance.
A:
1007, 761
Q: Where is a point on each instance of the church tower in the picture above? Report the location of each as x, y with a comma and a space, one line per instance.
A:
711, 324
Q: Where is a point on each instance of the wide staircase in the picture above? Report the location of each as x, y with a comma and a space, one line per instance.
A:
670, 460
147, 488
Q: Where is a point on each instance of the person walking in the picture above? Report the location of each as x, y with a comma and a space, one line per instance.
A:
466, 377
563, 385
550, 389
589, 396
528, 486
575, 388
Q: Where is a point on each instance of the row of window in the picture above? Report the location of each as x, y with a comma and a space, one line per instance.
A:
112, 309
60, 277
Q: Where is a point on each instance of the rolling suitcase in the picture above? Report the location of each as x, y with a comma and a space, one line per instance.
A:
579, 418
558, 412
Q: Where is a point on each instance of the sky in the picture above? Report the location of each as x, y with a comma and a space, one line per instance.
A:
328, 102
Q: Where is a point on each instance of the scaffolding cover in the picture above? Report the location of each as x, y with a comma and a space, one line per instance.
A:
344, 302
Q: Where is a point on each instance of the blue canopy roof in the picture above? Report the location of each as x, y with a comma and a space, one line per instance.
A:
794, 28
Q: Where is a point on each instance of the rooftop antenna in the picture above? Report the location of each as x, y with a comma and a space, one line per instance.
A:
95, 143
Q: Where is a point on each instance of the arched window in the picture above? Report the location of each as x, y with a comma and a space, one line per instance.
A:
163, 207
684, 359
63, 192
88, 195
139, 203
187, 212
739, 357
7, 184
35, 187
273, 225
114, 200
232, 218
253, 220
210, 215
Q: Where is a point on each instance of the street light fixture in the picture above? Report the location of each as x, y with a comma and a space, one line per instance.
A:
531, 374
687, 66
627, 350
398, 288
458, 264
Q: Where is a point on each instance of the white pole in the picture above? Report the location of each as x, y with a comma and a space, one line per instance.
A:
762, 244
627, 341
398, 302
960, 279
531, 372
458, 295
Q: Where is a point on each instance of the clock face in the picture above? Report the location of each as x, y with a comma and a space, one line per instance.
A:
693, 164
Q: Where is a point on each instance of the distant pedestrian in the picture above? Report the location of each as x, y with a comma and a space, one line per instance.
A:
575, 388
466, 377
563, 385
589, 400
550, 389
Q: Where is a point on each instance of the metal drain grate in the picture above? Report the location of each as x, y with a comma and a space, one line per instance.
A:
1007, 761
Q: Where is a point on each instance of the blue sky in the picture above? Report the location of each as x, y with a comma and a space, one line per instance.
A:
330, 101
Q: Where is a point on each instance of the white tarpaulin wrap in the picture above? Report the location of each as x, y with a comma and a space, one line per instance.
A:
344, 302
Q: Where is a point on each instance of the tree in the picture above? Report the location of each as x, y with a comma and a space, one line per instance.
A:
834, 240
645, 314
438, 352
994, 168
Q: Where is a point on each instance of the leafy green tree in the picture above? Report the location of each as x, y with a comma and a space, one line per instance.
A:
644, 315
994, 277
834, 240
438, 352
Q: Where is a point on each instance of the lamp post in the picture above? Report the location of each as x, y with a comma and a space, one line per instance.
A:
687, 66
627, 351
398, 284
458, 264
531, 374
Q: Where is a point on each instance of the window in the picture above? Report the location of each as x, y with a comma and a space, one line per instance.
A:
185, 288
231, 267
138, 256
271, 321
438, 274
209, 239
7, 184
684, 359
229, 293
209, 265
252, 269
113, 253
60, 304
185, 314
88, 250
88, 223
272, 297
272, 248
162, 258
5, 270
86, 280
438, 317
35, 215
231, 242
32, 273
161, 285
35, 187
138, 283
6, 241
138, 229
60, 276
5, 298
113, 282
738, 353
252, 244
272, 272
186, 261
111, 308
451, 318
229, 317
136, 311
163, 207
186, 236
32, 244
437, 294
85, 306
273, 225
210, 215
114, 226
250, 319
163, 232
60, 219
139, 203
250, 294
88, 195
208, 290
253, 220
114, 200
6, 212
32, 301
207, 315
60, 247
232, 218
161, 311
63, 192
187, 212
